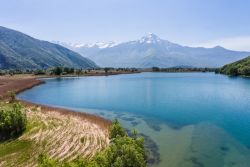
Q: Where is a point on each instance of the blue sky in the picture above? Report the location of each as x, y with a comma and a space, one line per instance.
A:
187, 22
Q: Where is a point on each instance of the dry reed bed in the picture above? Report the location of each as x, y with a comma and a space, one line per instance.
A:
17, 84
61, 135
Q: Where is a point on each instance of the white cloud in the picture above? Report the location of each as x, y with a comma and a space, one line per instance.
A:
240, 43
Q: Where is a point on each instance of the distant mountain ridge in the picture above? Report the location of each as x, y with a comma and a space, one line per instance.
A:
20, 51
150, 51
100, 45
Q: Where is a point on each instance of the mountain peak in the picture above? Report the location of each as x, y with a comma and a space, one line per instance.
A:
150, 38
151, 35
219, 47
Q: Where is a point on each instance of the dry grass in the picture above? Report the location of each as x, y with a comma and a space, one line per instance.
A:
16, 84
61, 135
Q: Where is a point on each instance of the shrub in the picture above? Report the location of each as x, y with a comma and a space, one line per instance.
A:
39, 72
232, 71
12, 121
123, 152
116, 130
12, 96
57, 70
245, 71
156, 69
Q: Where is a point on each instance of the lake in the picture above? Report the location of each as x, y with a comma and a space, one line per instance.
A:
187, 119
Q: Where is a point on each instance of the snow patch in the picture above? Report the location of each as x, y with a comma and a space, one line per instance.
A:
150, 38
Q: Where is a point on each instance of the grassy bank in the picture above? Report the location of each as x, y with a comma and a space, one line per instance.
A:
61, 136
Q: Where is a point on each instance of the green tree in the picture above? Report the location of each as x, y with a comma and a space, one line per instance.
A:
232, 71
66, 70
72, 70
106, 69
123, 152
57, 71
246, 71
12, 121
156, 69
39, 72
116, 130
79, 72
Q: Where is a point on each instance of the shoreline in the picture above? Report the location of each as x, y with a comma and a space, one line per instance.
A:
20, 84
96, 119
90, 74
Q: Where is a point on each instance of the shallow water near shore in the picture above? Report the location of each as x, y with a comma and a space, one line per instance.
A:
189, 119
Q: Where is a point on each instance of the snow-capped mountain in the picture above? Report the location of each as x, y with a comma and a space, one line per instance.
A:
150, 38
151, 51
100, 45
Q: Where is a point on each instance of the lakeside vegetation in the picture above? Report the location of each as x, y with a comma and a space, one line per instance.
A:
30, 136
64, 71
241, 67
183, 69
12, 121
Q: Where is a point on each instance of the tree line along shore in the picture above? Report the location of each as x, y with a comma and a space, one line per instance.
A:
65, 71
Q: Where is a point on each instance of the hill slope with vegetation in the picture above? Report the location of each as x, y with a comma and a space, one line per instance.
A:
20, 51
241, 67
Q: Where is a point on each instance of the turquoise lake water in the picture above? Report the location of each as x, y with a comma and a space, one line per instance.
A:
188, 119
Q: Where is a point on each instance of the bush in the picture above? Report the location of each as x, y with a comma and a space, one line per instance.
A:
39, 72
2, 72
116, 130
123, 152
12, 121
12, 96
45, 161
245, 71
57, 70
156, 69
232, 71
